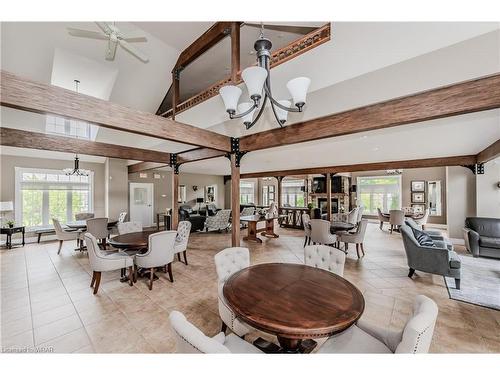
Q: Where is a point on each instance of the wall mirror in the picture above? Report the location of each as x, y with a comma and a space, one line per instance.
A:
434, 197
182, 194
210, 194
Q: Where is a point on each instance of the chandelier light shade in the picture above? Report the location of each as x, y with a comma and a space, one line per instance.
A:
245, 107
254, 78
230, 95
281, 113
258, 82
298, 89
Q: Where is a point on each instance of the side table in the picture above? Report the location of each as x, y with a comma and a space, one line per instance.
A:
9, 232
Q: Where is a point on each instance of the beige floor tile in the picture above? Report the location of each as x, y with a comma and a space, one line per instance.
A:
58, 328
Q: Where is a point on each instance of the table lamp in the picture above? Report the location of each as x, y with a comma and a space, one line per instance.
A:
199, 201
6, 207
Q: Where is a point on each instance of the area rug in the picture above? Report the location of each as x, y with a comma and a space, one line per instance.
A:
480, 283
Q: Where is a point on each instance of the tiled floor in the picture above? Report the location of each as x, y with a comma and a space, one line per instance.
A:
47, 302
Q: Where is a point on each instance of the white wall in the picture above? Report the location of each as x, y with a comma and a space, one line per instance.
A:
487, 190
461, 193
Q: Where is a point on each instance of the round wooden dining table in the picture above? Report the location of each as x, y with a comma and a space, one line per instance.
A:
293, 301
135, 240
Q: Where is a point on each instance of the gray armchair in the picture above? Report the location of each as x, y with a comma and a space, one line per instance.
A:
432, 259
434, 234
482, 236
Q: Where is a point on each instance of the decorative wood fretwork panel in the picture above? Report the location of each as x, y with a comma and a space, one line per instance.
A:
293, 217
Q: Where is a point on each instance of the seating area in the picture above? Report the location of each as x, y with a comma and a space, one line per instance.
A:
261, 188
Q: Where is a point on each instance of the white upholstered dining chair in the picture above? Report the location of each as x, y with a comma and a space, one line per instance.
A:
189, 339
306, 223
396, 218
228, 262
325, 257
415, 337
98, 227
181, 240
63, 235
160, 253
422, 221
101, 261
129, 227
320, 232
357, 237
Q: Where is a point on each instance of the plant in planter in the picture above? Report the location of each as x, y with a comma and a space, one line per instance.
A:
310, 206
10, 223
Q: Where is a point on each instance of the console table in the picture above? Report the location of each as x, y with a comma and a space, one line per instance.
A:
9, 232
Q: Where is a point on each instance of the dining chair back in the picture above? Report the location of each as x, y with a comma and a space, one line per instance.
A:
320, 232
61, 234
98, 227
129, 227
396, 218
182, 239
84, 216
352, 216
218, 222
325, 257
423, 219
122, 217
360, 214
247, 211
306, 223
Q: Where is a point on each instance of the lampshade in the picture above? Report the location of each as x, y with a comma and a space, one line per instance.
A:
243, 107
254, 78
281, 113
230, 95
200, 200
6, 206
298, 89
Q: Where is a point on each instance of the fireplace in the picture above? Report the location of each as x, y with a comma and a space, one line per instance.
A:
335, 205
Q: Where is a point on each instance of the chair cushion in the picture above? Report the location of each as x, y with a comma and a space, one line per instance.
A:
422, 238
353, 340
489, 242
455, 260
237, 345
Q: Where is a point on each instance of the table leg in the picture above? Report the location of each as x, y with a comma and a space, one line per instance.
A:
23, 236
9, 241
157, 222
289, 345
252, 232
270, 229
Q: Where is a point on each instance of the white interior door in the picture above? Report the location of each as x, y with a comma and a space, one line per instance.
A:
141, 203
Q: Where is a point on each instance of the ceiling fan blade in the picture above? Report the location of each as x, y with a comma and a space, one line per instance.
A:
134, 51
133, 36
86, 33
104, 27
111, 50
297, 29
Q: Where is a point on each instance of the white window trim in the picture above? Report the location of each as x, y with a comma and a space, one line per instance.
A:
358, 192
18, 171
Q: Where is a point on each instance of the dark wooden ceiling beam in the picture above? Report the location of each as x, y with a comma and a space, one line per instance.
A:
489, 153
198, 154
40, 141
476, 95
27, 95
145, 166
400, 164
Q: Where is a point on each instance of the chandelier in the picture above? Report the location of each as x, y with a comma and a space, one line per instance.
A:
258, 82
76, 171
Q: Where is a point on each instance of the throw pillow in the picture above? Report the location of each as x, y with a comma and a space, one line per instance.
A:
422, 238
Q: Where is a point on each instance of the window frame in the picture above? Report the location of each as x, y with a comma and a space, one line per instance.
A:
18, 209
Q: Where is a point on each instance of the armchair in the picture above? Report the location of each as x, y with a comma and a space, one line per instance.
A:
482, 236
383, 218
218, 222
186, 213
181, 240
189, 339
320, 232
357, 237
432, 259
415, 337
434, 234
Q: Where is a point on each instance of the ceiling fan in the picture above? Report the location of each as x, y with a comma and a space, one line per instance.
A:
115, 37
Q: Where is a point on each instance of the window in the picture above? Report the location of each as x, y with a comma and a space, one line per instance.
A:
267, 194
246, 192
71, 128
293, 193
382, 192
43, 194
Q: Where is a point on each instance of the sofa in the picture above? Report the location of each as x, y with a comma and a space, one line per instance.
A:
186, 213
482, 236
435, 259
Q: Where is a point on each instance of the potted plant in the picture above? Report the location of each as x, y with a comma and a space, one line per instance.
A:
310, 206
10, 223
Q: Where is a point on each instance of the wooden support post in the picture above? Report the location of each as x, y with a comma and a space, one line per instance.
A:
235, 51
175, 92
175, 195
280, 189
328, 196
235, 201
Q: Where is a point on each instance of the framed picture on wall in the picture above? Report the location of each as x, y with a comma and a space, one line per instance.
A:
418, 186
418, 208
210, 193
417, 197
